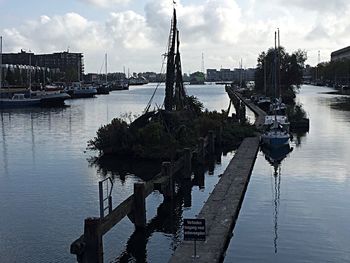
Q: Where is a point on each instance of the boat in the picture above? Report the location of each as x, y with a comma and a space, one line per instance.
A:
104, 88
50, 97
276, 132
18, 100
121, 84
275, 136
77, 90
133, 81
281, 119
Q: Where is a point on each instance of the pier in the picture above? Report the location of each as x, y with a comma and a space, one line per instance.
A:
222, 207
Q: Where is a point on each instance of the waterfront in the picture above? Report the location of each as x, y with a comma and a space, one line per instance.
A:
48, 188
302, 214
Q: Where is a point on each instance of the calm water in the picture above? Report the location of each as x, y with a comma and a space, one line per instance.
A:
48, 188
302, 213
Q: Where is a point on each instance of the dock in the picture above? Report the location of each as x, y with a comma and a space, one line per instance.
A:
222, 207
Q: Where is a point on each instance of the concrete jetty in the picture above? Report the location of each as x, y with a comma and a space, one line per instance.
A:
222, 207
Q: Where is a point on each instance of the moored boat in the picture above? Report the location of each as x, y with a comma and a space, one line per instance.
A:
19, 100
76, 90
275, 136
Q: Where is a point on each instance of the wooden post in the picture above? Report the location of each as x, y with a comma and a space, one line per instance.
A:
201, 150
139, 209
187, 163
166, 171
218, 140
93, 251
211, 142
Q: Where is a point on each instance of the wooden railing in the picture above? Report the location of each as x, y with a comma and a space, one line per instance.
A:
89, 247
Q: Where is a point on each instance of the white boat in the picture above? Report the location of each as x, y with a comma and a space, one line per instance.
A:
19, 100
77, 90
275, 136
281, 119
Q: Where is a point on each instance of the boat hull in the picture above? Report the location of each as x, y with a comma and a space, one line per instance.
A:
274, 140
54, 99
9, 103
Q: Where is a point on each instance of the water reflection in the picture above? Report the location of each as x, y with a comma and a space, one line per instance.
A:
275, 156
4, 144
121, 167
168, 218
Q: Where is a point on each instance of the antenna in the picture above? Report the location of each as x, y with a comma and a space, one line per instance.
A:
319, 58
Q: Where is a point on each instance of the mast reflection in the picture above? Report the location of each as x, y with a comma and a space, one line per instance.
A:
275, 156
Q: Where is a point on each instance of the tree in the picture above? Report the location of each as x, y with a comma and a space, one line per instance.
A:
289, 70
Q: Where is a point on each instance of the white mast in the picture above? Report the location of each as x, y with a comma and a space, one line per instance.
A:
106, 66
0, 62
30, 71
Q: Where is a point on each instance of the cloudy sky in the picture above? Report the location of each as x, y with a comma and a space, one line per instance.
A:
134, 33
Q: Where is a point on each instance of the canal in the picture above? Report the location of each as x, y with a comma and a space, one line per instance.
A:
300, 211
48, 185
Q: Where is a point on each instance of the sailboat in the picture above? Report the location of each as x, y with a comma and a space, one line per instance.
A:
276, 133
104, 88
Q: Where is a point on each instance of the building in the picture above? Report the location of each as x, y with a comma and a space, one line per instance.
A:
341, 54
71, 64
226, 75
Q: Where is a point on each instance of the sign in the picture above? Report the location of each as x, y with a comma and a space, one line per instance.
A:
194, 229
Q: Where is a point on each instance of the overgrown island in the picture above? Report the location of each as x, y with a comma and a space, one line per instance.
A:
164, 133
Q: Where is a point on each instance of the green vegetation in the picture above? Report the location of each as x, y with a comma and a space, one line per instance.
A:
164, 134
296, 112
333, 71
290, 73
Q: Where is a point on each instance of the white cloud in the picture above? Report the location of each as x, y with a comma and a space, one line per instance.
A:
105, 3
222, 29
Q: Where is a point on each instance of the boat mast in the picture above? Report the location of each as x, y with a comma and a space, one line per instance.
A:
170, 74
30, 71
279, 63
265, 90
106, 67
0, 62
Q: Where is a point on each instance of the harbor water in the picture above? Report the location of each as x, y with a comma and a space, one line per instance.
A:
48, 186
295, 212
298, 211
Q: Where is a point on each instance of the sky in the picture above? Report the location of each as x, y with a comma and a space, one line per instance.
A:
134, 33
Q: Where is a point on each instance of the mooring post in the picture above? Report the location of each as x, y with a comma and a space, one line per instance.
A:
166, 171
187, 163
201, 150
218, 140
139, 210
211, 143
93, 252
